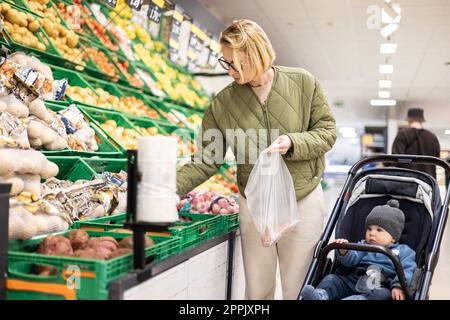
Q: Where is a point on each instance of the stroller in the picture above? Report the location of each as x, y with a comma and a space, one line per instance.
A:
419, 198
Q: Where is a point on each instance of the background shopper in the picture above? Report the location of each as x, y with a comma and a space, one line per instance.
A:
417, 141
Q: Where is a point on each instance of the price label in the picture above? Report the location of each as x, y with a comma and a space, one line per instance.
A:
174, 54
112, 3
135, 4
154, 13
176, 28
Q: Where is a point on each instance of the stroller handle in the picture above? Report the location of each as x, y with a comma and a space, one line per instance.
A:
401, 159
363, 247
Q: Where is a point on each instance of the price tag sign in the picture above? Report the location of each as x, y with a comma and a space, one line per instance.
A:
135, 4
155, 9
214, 53
174, 54
175, 30
112, 3
154, 13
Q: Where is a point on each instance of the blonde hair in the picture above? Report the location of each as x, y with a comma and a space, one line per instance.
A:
248, 36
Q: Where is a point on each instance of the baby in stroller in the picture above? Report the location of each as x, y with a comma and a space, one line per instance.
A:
373, 276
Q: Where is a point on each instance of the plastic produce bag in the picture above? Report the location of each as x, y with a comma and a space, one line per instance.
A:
271, 197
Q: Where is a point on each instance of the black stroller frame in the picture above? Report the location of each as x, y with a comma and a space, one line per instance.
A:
320, 262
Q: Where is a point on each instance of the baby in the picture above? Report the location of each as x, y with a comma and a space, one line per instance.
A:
373, 276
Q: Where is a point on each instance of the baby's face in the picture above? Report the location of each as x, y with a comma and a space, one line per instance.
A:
377, 235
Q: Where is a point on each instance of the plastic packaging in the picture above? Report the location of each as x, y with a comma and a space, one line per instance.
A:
271, 197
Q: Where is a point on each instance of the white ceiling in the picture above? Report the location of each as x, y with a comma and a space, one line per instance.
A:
331, 40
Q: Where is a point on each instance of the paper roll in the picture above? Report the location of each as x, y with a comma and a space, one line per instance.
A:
157, 160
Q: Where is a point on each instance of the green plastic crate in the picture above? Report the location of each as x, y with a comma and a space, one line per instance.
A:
106, 165
230, 221
50, 50
98, 223
73, 78
72, 168
105, 147
144, 123
100, 116
202, 228
95, 274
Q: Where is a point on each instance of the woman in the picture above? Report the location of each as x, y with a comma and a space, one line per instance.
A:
290, 101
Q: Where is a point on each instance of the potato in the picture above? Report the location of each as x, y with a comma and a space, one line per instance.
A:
79, 239
106, 242
41, 46
23, 31
128, 242
14, 17
33, 26
5, 8
87, 253
120, 252
55, 245
30, 18
17, 37
8, 26
72, 40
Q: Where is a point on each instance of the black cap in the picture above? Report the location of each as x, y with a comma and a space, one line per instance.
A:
416, 114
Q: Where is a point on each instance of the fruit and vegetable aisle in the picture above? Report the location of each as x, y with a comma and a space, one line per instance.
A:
80, 82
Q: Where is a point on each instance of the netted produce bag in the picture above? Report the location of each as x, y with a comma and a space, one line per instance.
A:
271, 197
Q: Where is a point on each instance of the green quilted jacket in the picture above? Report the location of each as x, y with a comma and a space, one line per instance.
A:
296, 106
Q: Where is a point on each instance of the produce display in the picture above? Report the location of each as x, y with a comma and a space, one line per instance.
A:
21, 26
219, 184
68, 60
207, 202
79, 244
101, 61
64, 39
126, 137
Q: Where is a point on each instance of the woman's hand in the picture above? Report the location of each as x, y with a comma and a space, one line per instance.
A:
342, 252
398, 294
282, 144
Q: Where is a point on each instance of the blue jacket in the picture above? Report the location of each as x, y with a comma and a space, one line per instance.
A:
406, 255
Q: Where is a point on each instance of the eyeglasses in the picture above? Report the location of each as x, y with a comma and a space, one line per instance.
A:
226, 65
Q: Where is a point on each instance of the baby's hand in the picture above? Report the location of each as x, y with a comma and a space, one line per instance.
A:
342, 251
398, 294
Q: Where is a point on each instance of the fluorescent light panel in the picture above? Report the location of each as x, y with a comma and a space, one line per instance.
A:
386, 68
391, 13
447, 131
385, 83
389, 29
384, 94
388, 48
380, 102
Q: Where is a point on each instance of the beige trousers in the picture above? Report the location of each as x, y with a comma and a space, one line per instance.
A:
294, 250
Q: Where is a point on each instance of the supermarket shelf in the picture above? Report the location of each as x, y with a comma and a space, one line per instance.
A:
118, 287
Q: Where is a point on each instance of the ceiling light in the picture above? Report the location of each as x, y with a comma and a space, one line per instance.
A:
377, 103
385, 83
384, 94
447, 131
349, 135
391, 13
388, 48
386, 68
346, 129
389, 29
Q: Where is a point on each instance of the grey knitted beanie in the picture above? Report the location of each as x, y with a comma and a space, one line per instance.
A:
389, 217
